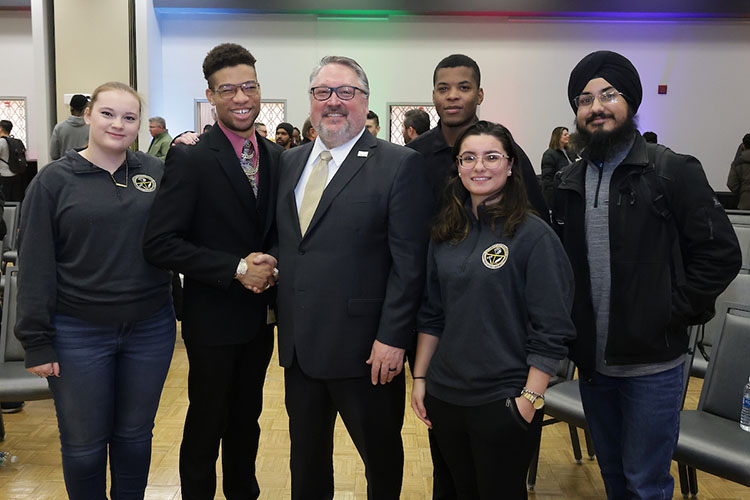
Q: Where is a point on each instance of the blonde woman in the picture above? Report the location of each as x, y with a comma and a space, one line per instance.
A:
94, 317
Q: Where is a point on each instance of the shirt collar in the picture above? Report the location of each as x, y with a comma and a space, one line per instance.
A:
237, 140
81, 165
339, 153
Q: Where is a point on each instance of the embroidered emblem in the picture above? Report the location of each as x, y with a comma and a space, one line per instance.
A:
495, 256
145, 183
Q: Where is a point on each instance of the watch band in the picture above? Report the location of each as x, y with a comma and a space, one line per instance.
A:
536, 399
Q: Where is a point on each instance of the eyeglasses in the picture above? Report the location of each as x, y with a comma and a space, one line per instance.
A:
228, 91
343, 92
490, 160
586, 100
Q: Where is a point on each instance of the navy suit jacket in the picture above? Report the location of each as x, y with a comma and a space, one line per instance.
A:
358, 273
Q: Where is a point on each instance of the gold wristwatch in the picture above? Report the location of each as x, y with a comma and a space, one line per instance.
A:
536, 399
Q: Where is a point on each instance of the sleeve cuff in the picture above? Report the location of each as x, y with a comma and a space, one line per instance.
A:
547, 365
40, 355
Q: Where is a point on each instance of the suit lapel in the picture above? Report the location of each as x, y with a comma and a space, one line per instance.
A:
353, 163
268, 175
230, 164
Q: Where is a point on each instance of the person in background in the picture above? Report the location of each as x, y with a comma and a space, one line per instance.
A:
284, 135
554, 160
296, 139
261, 129
373, 123
416, 122
650, 137
10, 183
308, 132
207, 127
161, 141
739, 175
492, 329
95, 318
73, 133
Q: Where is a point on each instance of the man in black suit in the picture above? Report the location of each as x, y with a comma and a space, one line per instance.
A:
352, 219
211, 217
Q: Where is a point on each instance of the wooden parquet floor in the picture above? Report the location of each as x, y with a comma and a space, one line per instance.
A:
32, 436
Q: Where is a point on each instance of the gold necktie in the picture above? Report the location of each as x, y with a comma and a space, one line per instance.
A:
316, 183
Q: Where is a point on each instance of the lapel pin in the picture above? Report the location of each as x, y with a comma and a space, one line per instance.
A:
363, 154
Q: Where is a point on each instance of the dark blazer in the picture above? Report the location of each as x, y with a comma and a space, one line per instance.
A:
358, 273
205, 218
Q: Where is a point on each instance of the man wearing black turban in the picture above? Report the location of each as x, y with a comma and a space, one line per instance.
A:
621, 211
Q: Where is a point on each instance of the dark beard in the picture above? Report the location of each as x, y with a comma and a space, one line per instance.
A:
599, 145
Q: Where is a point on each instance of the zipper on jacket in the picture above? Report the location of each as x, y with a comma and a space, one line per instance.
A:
476, 241
599, 166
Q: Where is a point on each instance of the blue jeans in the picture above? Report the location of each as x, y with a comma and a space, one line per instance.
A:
634, 423
111, 377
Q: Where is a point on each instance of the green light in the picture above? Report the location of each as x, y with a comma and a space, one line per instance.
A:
351, 18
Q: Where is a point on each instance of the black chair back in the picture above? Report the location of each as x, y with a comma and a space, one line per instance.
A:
729, 368
10, 348
737, 296
11, 216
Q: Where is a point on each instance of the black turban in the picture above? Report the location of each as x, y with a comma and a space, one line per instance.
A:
614, 68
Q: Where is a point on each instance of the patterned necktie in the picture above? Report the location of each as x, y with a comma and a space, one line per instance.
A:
316, 183
249, 165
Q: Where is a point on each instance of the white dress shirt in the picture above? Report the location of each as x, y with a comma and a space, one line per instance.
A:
338, 155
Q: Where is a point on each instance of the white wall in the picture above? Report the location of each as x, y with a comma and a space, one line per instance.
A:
148, 67
525, 67
18, 53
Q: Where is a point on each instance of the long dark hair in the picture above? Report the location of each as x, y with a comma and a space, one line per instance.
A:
554, 140
452, 222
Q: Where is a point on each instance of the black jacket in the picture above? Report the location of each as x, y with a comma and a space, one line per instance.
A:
553, 160
739, 179
205, 218
670, 255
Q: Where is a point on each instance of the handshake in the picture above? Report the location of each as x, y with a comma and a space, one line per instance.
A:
259, 272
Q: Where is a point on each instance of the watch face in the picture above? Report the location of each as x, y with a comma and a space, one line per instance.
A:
538, 404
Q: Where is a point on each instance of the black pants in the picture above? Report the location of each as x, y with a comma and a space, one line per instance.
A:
373, 415
487, 448
225, 387
442, 482
13, 188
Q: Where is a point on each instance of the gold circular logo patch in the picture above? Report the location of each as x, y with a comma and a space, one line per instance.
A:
495, 256
145, 183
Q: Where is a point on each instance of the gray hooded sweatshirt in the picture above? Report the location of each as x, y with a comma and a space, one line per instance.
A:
71, 134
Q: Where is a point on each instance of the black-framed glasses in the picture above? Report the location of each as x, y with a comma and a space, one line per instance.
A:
489, 160
586, 100
228, 91
343, 92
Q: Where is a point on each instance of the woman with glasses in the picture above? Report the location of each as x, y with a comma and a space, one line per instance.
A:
95, 319
494, 321
555, 159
